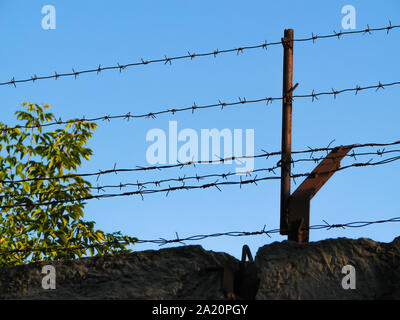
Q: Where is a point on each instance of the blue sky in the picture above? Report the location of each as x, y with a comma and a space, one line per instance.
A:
89, 33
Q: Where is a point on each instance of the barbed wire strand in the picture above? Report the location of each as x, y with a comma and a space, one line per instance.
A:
168, 60
162, 241
241, 101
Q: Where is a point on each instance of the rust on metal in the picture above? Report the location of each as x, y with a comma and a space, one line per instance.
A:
299, 214
321, 174
287, 91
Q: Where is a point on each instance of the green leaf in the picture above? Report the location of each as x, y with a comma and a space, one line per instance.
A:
26, 186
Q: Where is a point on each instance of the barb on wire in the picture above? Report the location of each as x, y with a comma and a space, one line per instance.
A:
191, 56
178, 239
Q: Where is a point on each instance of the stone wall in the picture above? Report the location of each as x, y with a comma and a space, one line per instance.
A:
286, 270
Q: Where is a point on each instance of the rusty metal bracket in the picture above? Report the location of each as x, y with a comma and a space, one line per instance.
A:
299, 204
243, 283
246, 253
246, 279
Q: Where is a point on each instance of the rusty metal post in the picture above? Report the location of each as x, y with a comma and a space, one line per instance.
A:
287, 43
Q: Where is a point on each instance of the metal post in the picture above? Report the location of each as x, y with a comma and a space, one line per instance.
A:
287, 43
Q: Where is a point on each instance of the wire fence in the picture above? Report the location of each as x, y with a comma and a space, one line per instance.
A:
23, 199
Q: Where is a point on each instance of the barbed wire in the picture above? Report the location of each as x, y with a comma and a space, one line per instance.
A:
141, 191
241, 101
326, 225
157, 183
191, 56
154, 182
162, 241
265, 154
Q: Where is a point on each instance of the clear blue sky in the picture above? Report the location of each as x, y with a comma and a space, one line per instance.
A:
89, 33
